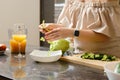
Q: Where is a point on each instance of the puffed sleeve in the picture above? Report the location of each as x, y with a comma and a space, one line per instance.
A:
64, 17
104, 20
70, 12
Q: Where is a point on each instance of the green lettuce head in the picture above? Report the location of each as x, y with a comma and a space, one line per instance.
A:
61, 44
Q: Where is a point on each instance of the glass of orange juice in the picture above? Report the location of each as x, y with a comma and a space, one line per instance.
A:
18, 38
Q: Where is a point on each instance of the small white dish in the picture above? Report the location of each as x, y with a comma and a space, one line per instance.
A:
109, 69
46, 56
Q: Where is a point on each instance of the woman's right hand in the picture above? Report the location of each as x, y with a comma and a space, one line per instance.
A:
48, 27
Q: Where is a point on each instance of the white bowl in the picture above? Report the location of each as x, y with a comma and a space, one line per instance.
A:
109, 69
46, 56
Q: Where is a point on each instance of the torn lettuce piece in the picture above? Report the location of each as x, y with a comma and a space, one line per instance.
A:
61, 44
42, 39
43, 26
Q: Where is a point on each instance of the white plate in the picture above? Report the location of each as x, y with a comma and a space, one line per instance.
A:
46, 56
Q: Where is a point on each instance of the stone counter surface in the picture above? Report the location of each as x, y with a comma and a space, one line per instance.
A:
31, 70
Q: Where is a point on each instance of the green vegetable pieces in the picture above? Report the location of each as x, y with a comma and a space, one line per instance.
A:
98, 56
42, 39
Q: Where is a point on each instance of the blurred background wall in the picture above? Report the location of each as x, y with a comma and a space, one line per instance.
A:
20, 11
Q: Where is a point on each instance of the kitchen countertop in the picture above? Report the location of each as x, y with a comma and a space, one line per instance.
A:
59, 70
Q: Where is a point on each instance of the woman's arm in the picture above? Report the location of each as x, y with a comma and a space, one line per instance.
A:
89, 35
86, 35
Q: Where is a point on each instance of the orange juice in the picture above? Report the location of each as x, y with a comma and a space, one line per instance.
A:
19, 38
14, 44
23, 46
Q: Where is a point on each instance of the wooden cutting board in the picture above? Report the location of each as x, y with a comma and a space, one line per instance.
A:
87, 62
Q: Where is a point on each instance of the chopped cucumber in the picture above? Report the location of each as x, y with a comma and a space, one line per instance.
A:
98, 56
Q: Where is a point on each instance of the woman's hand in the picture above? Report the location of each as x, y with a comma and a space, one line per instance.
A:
48, 27
58, 32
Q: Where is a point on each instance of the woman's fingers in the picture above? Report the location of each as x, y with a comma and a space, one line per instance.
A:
54, 31
55, 34
59, 33
47, 27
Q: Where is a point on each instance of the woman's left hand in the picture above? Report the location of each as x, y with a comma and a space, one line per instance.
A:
59, 33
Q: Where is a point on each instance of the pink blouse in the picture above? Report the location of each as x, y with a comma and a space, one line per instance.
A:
100, 17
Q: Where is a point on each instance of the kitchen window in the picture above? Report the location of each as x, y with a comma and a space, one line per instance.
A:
49, 11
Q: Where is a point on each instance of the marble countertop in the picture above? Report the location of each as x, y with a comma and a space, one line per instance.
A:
60, 70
